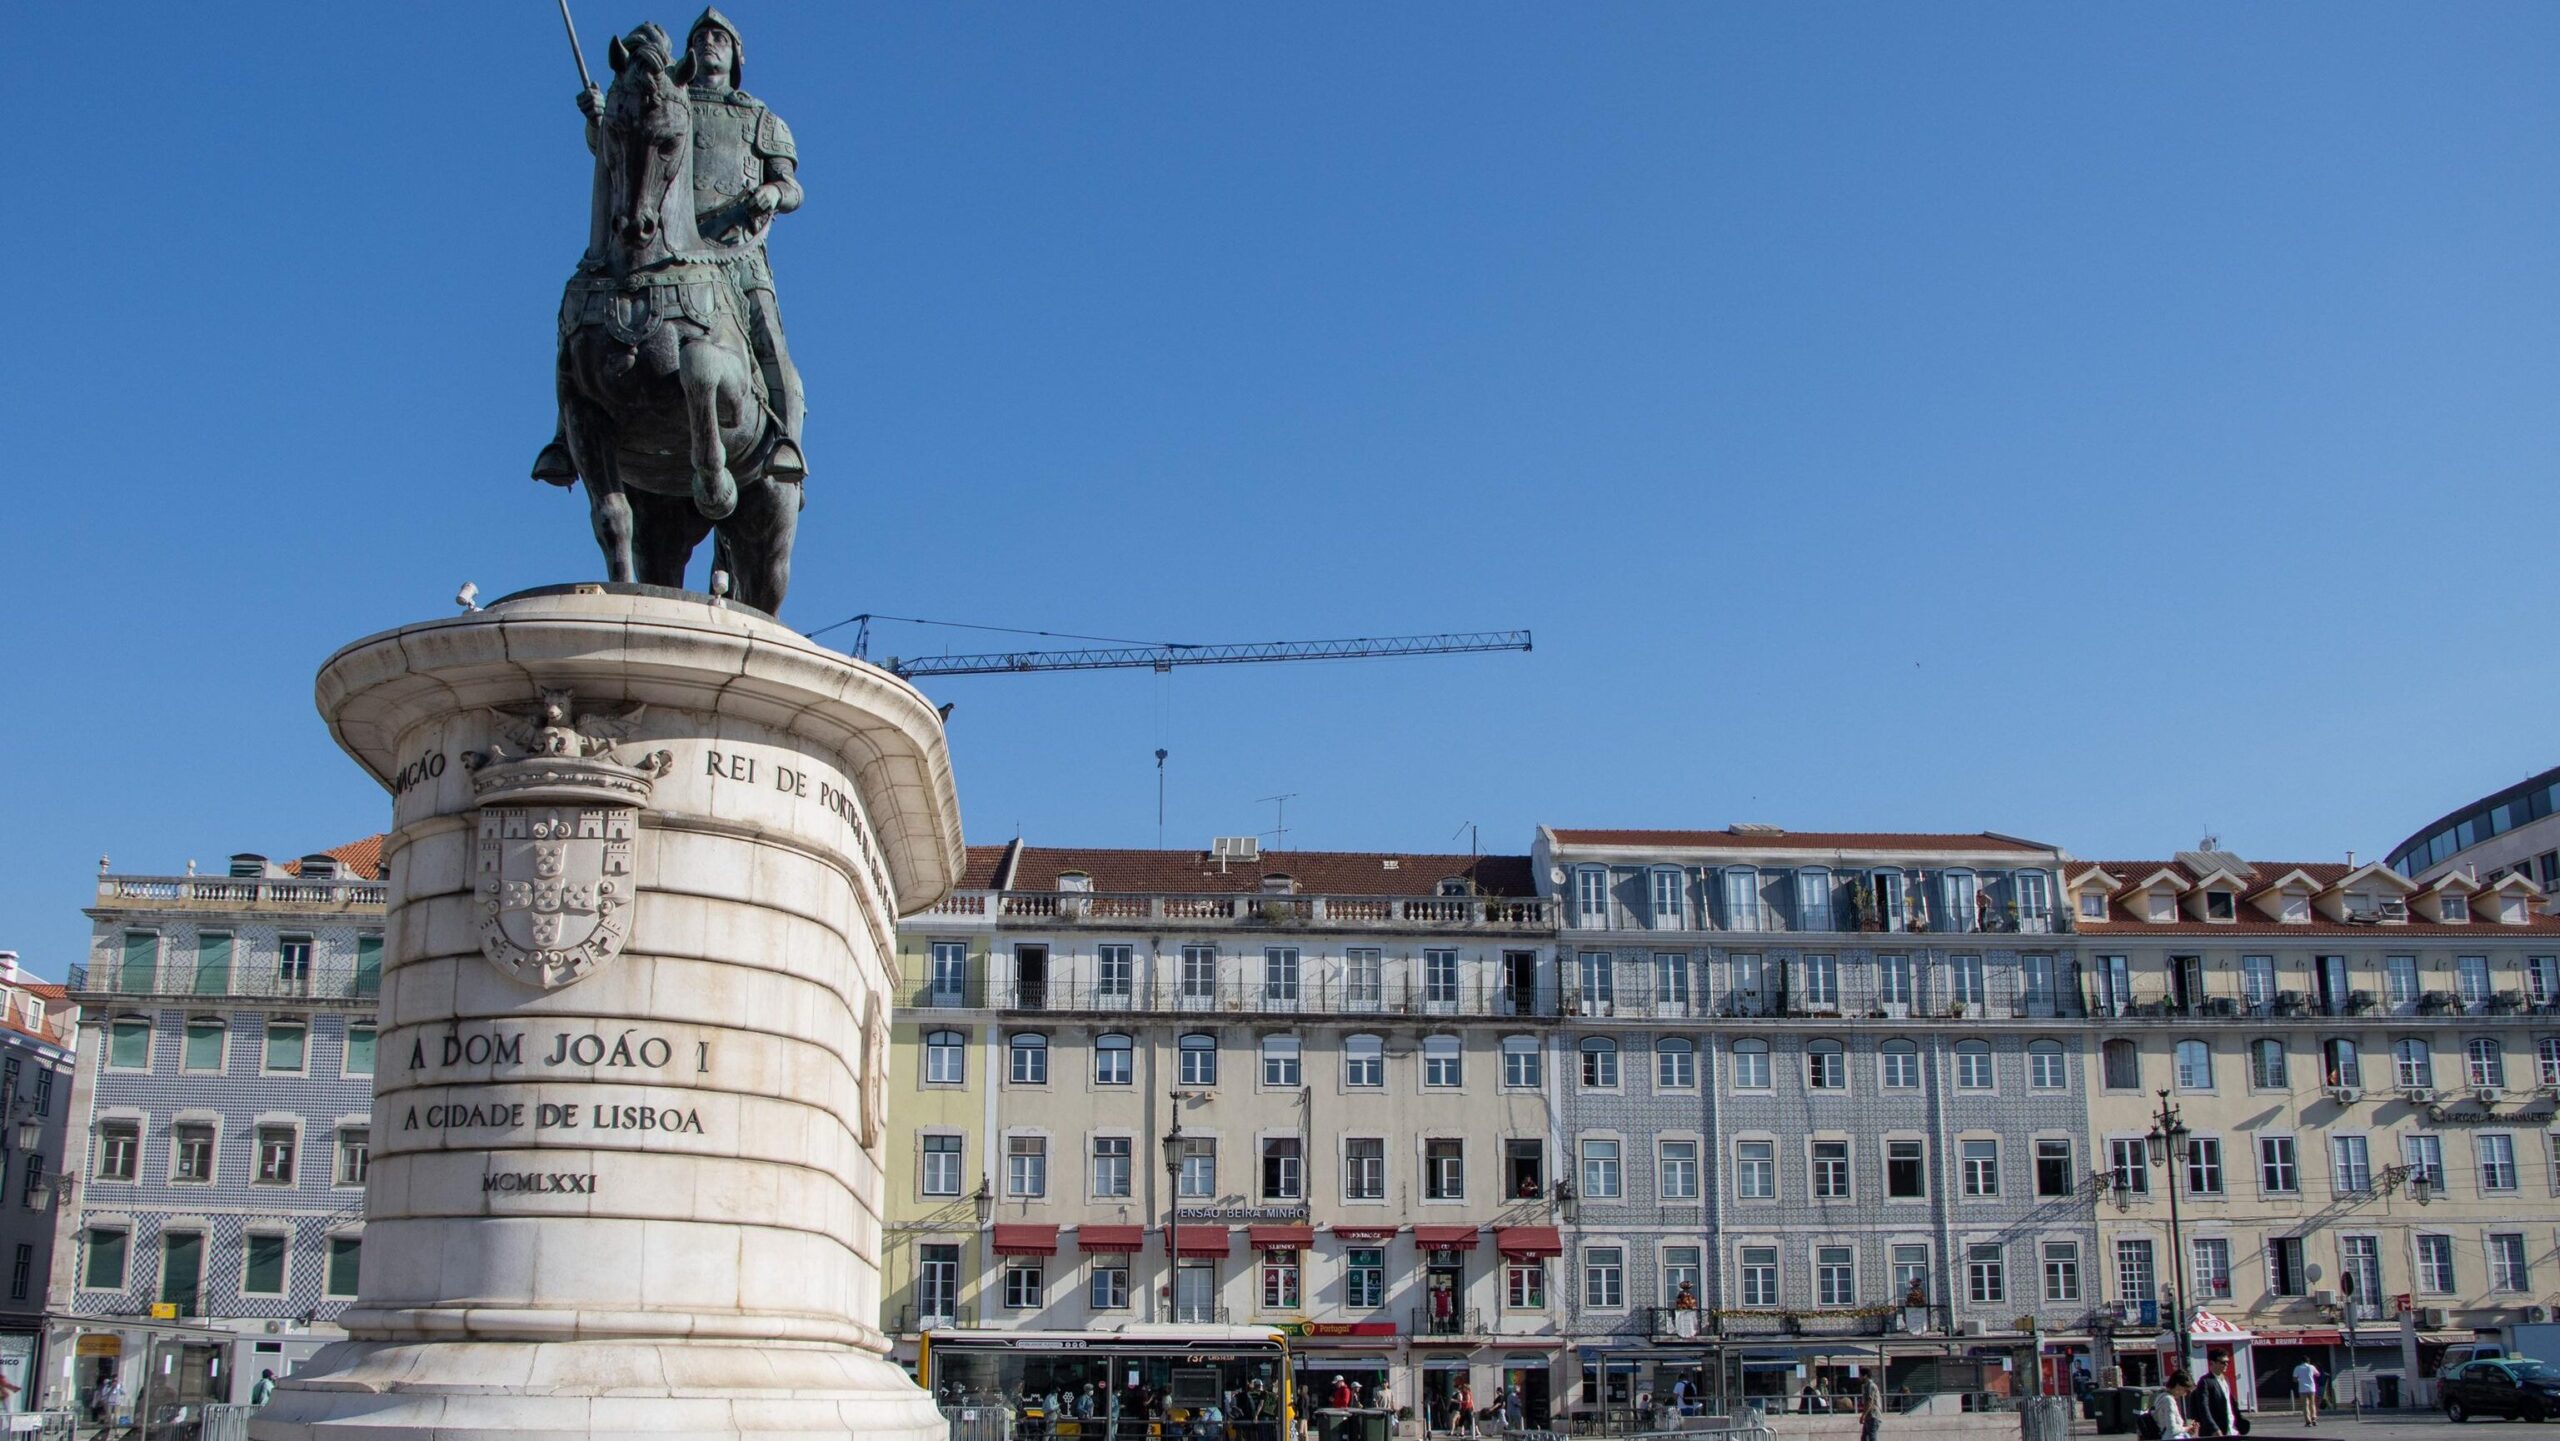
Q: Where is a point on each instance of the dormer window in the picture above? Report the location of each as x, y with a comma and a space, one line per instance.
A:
2161, 907
2221, 906
2453, 909
2360, 905
248, 867
1279, 885
1075, 882
2511, 910
2297, 909
319, 868
1453, 886
2093, 905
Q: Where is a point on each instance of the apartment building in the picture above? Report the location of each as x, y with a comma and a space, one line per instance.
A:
221, 1125
2362, 1070
1823, 1105
36, 1040
1239, 1085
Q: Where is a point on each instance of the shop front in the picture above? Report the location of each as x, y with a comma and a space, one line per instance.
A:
1360, 1354
155, 1364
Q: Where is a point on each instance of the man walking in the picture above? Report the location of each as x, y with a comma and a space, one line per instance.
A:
2306, 1391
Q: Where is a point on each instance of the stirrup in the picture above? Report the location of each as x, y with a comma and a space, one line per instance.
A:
786, 462
555, 464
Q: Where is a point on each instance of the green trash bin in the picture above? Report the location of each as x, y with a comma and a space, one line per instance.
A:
2117, 1410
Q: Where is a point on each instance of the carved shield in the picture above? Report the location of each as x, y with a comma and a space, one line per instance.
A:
554, 889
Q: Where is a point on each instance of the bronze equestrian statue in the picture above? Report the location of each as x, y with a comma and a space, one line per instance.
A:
679, 405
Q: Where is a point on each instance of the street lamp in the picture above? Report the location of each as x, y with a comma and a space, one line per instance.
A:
2168, 1138
1567, 1204
1173, 1211
984, 1198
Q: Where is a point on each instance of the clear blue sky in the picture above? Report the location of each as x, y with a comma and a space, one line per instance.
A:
2093, 423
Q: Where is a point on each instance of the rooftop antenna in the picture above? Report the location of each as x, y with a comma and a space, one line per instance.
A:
1467, 828
1160, 755
1279, 831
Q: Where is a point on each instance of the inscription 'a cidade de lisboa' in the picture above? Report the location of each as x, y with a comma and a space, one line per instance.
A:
630, 1049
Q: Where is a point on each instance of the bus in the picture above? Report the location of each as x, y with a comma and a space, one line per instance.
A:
1136, 1382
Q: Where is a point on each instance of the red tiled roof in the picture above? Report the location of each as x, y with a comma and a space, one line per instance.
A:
1327, 873
979, 872
2252, 921
361, 859
1732, 840
44, 990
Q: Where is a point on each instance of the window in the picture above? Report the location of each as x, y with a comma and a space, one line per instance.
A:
34, 1181
1760, 1276
2279, 1173
1280, 1060
1024, 1285
2212, 1261
2121, 1066
948, 980
44, 1083
1986, 1274
1115, 974
1826, 1066
2204, 1165
1671, 981
1755, 1170
1813, 900
1026, 1166
1831, 1171
1822, 983
2497, 1162
1599, 1170
1599, 974
1898, 1066
2413, 1065
191, 1152
119, 1150
1440, 977
262, 1271
2034, 900
275, 1155
1741, 897
1283, 1169
2046, 1070
1981, 1167
1199, 980
1670, 899
1591, 895
2350, 1165
2129, 1166
1599, 1064
2062, 1270
1364, 1169
1910, 1274
203, 1048
1199, 1063
1030, 1058
1107, 1285
1279, 975
942, 1165
1111, 1156
1199, 1178
2361, 1257
1682, 1271
1364, 1062
1677, 1171
1675, 1064
1522, 1067
360, 1046
1964, 975
1442, 1063
1604, 1278
1524, 1161
1973, 1066
2546, 1061
2257, 981
2220, 906
2266, 1064
1364, 1278
2133, 1270
355, 1155
2508, 1271
2339, 1063
2093, 905
2425, 1157
2471, 978
2195, 1066
1906, 1170
1751, 1065
1893, 979
1444, 1170
2542, 978
286, 1042
1280, 1280
2400, 980
102, 1268
1114, 1060
946, 1058
2055, 1175
2285, 1273
293, 965
2435, 1264
1835, 1276
2485, 1063
1958, 896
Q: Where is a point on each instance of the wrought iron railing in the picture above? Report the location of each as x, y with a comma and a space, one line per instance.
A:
1456, 1321
1247, 911
182, 979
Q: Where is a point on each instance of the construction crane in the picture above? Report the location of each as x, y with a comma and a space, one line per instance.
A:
1165, 655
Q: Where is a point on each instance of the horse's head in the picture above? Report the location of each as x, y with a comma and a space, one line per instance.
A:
646, 151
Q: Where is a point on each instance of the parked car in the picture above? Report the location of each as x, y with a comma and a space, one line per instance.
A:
2457, 1357
2508, 1386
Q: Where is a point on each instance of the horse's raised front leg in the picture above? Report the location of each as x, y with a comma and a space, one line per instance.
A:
710, 375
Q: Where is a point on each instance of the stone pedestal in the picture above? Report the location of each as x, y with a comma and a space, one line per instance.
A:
647, 857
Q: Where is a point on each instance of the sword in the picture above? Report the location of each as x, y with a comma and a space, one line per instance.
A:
574, 52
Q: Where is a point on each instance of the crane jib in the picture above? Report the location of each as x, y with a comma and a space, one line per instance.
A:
1165, 657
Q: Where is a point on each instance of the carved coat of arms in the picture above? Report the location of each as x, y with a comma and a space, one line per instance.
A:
551, 866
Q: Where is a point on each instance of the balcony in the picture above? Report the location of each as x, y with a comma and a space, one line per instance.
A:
1933, 994
1312, 996
1457, 1321
1228, 911
237, 894
318, 981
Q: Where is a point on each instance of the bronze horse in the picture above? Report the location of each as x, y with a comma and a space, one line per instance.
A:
664, 407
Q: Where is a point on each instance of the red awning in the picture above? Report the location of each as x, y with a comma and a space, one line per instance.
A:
1111, 1238
1364, 1233
1528, 1241
1280, 1238
1204, 1241
1445, 1238
1023, 1239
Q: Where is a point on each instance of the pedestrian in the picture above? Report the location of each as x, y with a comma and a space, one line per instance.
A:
1870, 1414
2306, 1391
110, 1406
1465, 1402
263, 1388
1515, 1416
2168, 1414
1340, 1397
2210, 1407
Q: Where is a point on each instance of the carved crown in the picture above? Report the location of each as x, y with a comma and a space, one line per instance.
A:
554, 754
